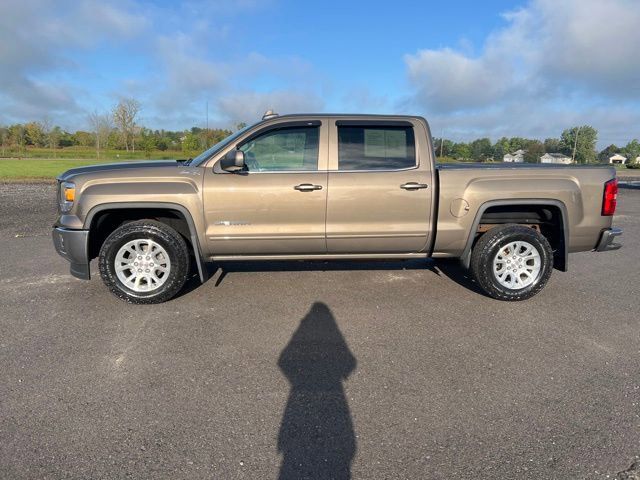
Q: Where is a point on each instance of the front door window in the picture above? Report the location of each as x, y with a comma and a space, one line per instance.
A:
283, 149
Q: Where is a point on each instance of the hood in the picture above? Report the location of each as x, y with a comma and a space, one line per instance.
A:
106, 167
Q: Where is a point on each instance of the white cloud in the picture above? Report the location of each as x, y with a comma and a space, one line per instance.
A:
185, 75
190, 78
448, 80
35, 37
553, 65
594, 43
362, 99
178, 43
247, 106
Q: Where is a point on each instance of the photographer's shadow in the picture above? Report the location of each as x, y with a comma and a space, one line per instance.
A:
316, 438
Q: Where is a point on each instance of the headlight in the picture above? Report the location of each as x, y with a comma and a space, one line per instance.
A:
67, 196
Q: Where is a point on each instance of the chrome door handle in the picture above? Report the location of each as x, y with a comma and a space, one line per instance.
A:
307, 187
413, 186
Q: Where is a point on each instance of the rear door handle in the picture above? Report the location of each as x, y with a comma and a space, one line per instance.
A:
307, 187
413, 186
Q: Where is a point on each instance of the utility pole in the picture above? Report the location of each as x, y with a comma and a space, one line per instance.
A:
441, 142
206, 135
575, 145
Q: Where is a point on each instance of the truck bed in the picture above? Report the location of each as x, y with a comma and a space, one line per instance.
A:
467, 191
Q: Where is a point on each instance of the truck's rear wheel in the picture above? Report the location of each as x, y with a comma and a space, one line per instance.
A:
512, 262
144, 262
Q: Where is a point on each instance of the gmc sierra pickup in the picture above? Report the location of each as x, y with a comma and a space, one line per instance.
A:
329, 187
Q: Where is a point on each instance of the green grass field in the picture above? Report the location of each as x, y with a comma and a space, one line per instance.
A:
40, 169
37, 164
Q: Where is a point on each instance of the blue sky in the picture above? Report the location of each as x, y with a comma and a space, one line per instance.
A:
492, 68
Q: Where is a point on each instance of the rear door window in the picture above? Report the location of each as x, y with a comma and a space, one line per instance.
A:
376, 148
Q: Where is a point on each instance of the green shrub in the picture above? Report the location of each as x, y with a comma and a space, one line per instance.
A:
633, 165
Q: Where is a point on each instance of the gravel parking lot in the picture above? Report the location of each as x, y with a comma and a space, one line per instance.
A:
380, 369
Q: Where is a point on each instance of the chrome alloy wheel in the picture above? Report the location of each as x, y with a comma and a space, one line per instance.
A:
517, 265
142, 265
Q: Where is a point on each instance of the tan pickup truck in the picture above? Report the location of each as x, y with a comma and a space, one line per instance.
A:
325, 187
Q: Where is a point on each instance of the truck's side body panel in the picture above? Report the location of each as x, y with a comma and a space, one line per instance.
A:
164, 185
363, 212
171, 187
262, 212
368, 211
464, 191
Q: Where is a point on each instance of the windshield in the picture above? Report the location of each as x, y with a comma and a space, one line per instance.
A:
221, 144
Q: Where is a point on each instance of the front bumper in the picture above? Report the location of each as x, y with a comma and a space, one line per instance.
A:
73, 245
607, 238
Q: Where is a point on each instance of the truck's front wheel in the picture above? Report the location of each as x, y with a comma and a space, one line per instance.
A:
512, 262
144, 262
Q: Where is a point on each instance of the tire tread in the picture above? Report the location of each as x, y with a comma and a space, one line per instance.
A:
172, 239
482, 268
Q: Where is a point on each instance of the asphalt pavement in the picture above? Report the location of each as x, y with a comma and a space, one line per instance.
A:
316, 370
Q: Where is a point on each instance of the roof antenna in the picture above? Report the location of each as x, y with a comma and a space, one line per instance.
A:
269, 114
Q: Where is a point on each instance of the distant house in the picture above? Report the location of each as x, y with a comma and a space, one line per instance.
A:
617, 158
515, 157
555, 158
637, 160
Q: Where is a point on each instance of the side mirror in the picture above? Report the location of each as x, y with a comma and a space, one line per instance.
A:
233, 161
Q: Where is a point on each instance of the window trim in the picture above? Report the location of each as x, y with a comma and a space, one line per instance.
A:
376, 123
373, 123
279, 126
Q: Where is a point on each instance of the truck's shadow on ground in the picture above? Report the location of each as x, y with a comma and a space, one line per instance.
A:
450, 268
453, 270
316, 437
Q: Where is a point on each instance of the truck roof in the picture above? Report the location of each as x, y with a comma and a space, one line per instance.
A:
350, 115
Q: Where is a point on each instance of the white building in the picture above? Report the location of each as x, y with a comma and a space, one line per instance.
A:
515, 157
617, 158
560, 158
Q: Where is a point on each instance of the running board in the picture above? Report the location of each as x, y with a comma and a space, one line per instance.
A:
321, 256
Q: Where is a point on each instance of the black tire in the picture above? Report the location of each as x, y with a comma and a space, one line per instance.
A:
165, 236
488, 246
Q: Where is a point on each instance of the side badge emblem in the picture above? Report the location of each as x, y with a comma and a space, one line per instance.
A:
230, 223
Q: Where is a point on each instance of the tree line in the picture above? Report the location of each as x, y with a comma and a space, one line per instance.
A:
578, 143
117, 129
